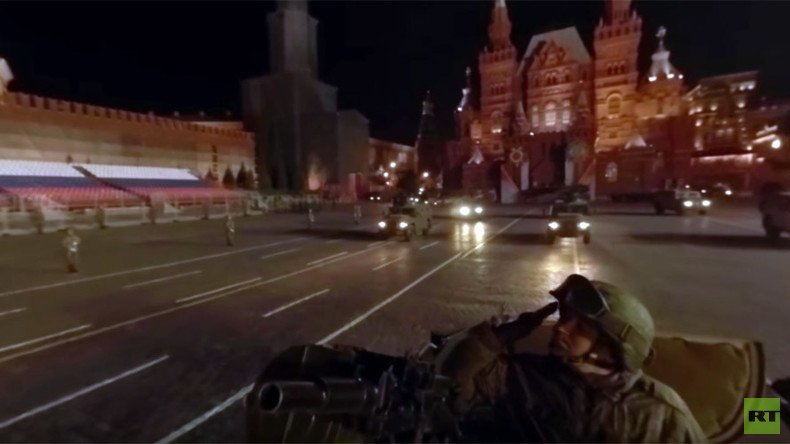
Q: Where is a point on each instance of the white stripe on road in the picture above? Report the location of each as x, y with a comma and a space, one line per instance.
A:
375, 244
157, 314
149, 268
289, 305
43, 338
386, 263
383, 303
16, 310
79, 393
186, 428
279, 253
217, 290
175, 276
342, 253
245, 390
429, 245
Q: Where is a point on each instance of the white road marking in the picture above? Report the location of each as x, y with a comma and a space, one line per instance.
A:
299, 301
342, 253
375, 243
279, 253
186, 428
175, 276
16, 310
157, 314
383, 303
429, 245
245, 390
79, 393
386, 263
43, 338
216, 290
143, 269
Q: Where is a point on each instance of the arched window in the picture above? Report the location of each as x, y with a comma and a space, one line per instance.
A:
566, 112
535, 116
551, 114
613, 104
611, 172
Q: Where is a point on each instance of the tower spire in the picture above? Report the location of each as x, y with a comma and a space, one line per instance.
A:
617, 10
500, 27
662, 68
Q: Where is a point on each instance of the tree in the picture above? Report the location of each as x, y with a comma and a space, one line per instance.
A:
241, 178
228, 181
408, 182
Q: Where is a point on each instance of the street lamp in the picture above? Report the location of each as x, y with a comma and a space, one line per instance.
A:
386, 174
776, 144
425, 175
393, 164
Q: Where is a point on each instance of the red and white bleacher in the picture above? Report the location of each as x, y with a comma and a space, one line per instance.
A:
171, 185
25, 184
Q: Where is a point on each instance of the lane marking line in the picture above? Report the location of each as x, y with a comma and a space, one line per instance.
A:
43, 338
143, 269
81, 392
299, 301
386, 263
342, 253
175, 276
279, 253
245, 390
16, 310
374, 244
186, 428
216, 290
429, 245
383, 303
166, 311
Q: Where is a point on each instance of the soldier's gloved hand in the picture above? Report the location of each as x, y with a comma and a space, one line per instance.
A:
511, 332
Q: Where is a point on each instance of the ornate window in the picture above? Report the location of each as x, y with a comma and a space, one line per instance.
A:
551, 114
566, 112
613, 105
611, 172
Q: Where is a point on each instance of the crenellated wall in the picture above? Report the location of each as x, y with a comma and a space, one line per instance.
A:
43, 128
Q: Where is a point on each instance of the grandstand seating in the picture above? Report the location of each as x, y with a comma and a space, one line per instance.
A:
172, 185
29, 183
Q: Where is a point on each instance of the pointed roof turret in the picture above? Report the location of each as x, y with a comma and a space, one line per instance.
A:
466, 92
662, 68
427, 104
500, 27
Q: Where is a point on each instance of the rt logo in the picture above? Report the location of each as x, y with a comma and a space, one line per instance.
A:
761, 416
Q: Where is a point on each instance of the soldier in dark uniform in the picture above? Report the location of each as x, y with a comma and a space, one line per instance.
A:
590, 388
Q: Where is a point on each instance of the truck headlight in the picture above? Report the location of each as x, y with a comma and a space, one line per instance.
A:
402, 225
464, 211
479, 210
554, 225
706, 203
584, 225
382, 225
688, 203
728, 192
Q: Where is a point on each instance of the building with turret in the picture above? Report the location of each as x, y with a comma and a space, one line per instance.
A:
560, 114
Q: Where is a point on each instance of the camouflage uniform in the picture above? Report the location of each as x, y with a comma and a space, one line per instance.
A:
531, 397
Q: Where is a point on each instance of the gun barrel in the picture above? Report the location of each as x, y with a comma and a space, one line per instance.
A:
321, 395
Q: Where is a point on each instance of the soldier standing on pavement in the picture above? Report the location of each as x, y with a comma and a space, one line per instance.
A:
357, 213
310, 218
230, 230
71, 244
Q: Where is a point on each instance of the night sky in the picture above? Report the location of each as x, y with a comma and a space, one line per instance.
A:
190, 56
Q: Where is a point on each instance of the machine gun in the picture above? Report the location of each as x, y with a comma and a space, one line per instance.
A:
316, 393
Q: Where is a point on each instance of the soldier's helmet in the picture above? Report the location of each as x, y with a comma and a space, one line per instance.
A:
618, 314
